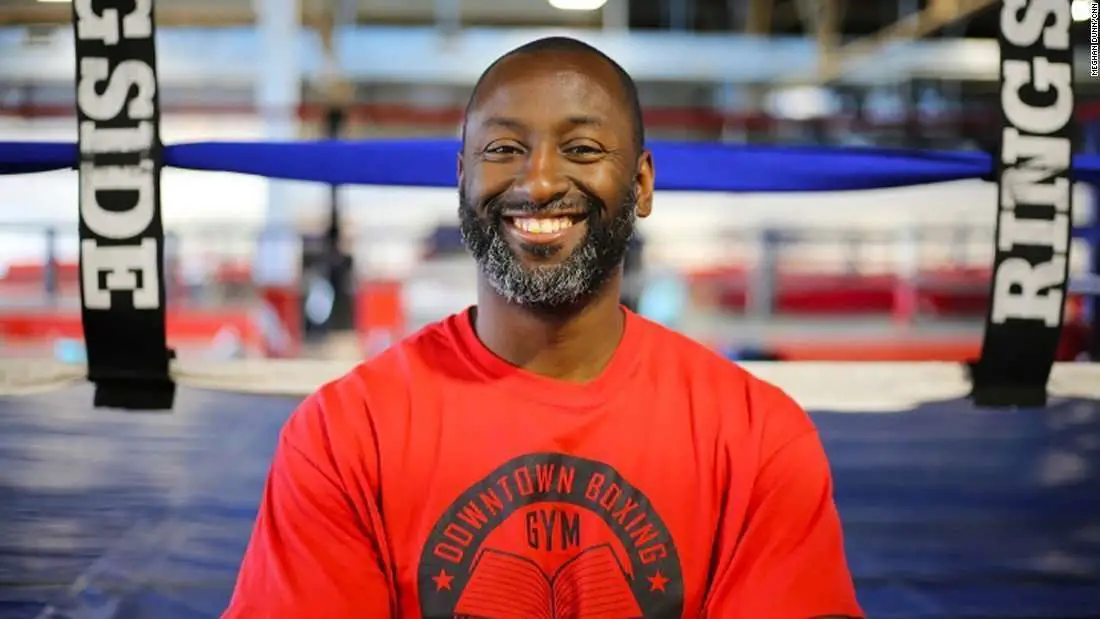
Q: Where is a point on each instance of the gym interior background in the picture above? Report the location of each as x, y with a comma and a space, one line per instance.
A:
951, 512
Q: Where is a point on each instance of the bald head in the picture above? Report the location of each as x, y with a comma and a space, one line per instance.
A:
601, 66
552, 175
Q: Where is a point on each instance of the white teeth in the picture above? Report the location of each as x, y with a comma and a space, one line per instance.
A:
542, 226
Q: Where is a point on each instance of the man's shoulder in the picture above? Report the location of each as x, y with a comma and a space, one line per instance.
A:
696, 363
385, 382
416, 357
673, 349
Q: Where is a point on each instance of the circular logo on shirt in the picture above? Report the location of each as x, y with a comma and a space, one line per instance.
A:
551, 535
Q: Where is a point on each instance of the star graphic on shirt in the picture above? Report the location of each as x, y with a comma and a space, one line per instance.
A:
442, 580
657, 582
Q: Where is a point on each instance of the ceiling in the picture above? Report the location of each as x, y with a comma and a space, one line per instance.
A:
236, 12
858, 16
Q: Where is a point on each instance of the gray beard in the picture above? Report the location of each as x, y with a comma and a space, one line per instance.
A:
578, 277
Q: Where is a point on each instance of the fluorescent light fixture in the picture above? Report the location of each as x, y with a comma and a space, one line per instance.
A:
1081, 10
802, 103
577, 5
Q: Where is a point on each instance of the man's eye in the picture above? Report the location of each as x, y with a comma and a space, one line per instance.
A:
583, 149
502, 149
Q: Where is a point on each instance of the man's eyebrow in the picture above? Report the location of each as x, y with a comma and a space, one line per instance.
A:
580, 121
515, 124
504, 122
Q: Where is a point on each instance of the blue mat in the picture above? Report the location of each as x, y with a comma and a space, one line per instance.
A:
950, 512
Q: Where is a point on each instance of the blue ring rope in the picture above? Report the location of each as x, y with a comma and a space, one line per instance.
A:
680, 166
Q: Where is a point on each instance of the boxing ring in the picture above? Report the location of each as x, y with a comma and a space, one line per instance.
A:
965, 491
950, 511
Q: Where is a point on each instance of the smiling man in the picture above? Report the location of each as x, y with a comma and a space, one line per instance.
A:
548, 453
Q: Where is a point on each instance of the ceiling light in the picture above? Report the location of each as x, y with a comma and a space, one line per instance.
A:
577, 5
1081, 10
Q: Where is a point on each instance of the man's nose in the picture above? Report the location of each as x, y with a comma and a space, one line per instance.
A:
542, 177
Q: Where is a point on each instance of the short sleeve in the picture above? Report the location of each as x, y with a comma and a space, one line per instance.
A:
314, 550
786, 559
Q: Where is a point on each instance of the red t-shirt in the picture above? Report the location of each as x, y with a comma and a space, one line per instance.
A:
437, 480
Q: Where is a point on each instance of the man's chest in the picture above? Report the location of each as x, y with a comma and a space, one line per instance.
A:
544, 515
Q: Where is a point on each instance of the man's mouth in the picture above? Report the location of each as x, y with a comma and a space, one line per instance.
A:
544, 225
548, 227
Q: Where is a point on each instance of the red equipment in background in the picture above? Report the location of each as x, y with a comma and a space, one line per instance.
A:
270, 323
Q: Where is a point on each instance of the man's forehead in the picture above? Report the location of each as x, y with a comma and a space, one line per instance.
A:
586, 71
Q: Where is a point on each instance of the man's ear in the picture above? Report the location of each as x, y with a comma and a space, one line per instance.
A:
459, 171
643, 184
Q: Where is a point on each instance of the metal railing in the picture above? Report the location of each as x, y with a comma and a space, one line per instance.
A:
217, 264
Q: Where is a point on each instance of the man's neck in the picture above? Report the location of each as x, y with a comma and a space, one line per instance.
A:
574, 346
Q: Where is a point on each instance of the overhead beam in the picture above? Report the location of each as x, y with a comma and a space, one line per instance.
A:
826, 25
167, 15
211, 16
212, 56
759, 21
335, 89
938, 14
